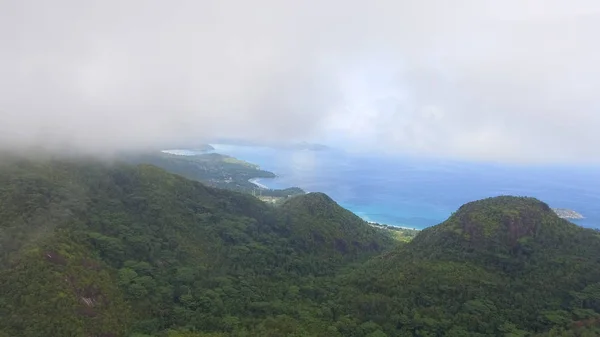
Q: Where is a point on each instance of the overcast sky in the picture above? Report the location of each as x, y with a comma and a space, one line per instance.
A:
510, 80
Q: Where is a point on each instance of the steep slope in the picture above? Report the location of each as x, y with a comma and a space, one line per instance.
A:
507, 232
500, 266
326, 225
91, 249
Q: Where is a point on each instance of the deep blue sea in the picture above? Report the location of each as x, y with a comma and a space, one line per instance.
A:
418, 193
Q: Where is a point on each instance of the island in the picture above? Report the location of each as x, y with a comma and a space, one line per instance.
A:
567, 213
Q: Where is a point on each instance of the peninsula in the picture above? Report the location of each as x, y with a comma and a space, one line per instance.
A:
216, 170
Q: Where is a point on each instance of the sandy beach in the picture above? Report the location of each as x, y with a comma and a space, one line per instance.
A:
256, 182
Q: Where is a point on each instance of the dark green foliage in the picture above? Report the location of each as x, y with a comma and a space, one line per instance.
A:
60, 290
178, 253
345, 232
499, 266
90, 249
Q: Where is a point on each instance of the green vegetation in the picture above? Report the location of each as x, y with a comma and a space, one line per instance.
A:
214, 170
503, 266
91, 249
400, 233
96, 250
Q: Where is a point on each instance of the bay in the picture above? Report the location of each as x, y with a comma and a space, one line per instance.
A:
418, 192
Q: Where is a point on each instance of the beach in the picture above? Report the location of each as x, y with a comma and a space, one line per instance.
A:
256, 181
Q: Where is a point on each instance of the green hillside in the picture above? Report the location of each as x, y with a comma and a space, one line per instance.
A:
214, 170
345, 232
95, 249
502, 266
90, 249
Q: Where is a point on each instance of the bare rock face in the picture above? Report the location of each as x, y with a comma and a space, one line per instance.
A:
567, 213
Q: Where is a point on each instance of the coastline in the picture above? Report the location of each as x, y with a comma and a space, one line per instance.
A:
258, 182
185, 152
395, 203
377, 224
255, 181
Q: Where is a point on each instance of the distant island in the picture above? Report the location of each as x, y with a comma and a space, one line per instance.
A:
567, 213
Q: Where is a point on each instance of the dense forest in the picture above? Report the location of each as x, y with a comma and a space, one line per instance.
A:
90, 248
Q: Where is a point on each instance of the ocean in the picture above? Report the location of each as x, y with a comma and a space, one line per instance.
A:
417, 193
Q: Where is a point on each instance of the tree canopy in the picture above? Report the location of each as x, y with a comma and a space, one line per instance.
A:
96, 249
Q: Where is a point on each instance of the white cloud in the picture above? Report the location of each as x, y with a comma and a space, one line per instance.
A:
503, 80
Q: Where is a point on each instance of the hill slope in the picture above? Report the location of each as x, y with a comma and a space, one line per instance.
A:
214, 170
90, 249
345, 232
499, 266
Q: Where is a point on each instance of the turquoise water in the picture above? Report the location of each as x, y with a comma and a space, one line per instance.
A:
418, 193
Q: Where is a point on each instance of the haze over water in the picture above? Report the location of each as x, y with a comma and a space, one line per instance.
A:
418, 193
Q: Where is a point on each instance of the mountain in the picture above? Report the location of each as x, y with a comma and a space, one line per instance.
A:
96, 249
90, 248
345, 232
213, 169
504, 266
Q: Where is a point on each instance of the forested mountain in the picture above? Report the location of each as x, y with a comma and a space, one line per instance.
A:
96, 249
91, 249
505, 266
213, 169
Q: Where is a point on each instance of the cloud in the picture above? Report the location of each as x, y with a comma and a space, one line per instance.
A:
508, 81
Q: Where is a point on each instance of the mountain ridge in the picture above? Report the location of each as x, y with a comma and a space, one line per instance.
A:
138, 236
96, 249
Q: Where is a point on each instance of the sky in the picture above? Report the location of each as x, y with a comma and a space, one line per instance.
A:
507, 81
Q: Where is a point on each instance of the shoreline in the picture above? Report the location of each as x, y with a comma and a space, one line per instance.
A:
392, 214
259, 185
377, 224
256, 181
371, 219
